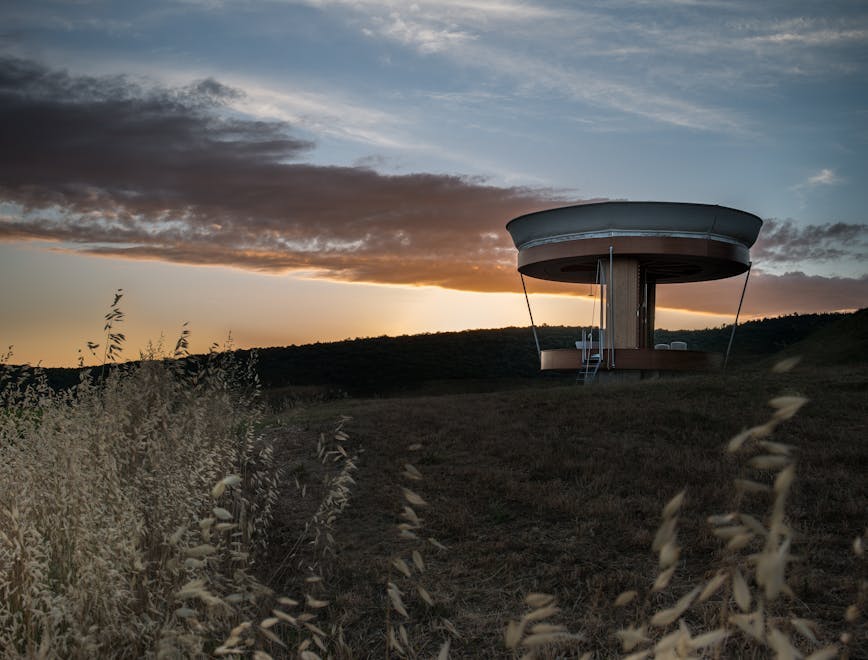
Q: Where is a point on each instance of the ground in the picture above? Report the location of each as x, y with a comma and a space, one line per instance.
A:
560, 491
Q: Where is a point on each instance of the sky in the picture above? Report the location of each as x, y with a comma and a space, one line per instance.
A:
292, 171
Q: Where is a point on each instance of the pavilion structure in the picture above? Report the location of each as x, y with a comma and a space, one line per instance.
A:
628, 249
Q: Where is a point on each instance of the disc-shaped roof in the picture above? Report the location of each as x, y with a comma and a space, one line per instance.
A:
674, 242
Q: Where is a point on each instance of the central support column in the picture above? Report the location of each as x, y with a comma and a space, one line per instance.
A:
648, 294
625, 299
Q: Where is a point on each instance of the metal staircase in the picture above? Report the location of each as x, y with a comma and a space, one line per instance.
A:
591, 355
588, 373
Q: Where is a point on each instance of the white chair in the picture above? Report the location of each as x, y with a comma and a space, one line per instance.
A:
678, 345
661, 347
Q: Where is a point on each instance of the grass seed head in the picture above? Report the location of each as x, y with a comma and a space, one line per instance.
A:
413, 498
396, 600
712, 586
402, 566
418, 562
665, 617
781, 644
749, 486
663, 579
625, 597
411, 472
769, 462
787, 364
314, 603
631, 637
673, 505
542, 613
513, 633
711, 638
740, 591
537, 600
425, 596
805, 629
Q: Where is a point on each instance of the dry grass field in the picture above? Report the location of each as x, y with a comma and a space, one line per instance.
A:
560, 492
156, 510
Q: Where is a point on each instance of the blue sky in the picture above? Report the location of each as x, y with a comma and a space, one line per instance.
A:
384, 110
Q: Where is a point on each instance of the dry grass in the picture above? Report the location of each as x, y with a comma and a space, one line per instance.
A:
132, 509
142, 515
560, 493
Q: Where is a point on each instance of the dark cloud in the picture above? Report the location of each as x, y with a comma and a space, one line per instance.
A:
165, 175
784, 241
170, 174
768, 294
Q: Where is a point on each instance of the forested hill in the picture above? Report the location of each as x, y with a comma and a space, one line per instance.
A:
389, 365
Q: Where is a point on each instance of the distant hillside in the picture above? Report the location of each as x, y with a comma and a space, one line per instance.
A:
844, 341
752, 338
386, 365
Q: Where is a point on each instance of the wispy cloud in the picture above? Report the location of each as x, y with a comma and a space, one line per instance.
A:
324, 114
823, 177
479, 10
624, 56
808, 33
465, 35
426, 39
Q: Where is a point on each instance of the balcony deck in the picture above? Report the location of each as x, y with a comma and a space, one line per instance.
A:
634, 359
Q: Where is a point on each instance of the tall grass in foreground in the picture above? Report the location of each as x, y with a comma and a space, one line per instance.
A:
744, 608
131, 506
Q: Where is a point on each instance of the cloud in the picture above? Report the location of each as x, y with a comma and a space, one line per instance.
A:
824, 177
425, 38
769, 295
810, 37
662, 61
784, 241
512, 41
463, 10
170, 174
101, 166
324, 114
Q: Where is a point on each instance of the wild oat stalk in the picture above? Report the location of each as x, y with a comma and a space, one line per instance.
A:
110, 540
406, 581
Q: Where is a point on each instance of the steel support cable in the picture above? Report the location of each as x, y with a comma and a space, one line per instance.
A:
588, 339
735, 324
610, 299
601, 275
530, 313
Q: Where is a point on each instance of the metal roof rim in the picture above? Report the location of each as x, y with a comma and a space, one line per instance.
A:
636, 203
614, 233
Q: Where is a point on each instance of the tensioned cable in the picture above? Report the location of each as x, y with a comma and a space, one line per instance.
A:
530, 313
735, 324
610, 303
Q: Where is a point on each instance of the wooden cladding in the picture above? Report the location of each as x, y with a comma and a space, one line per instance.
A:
624, 302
